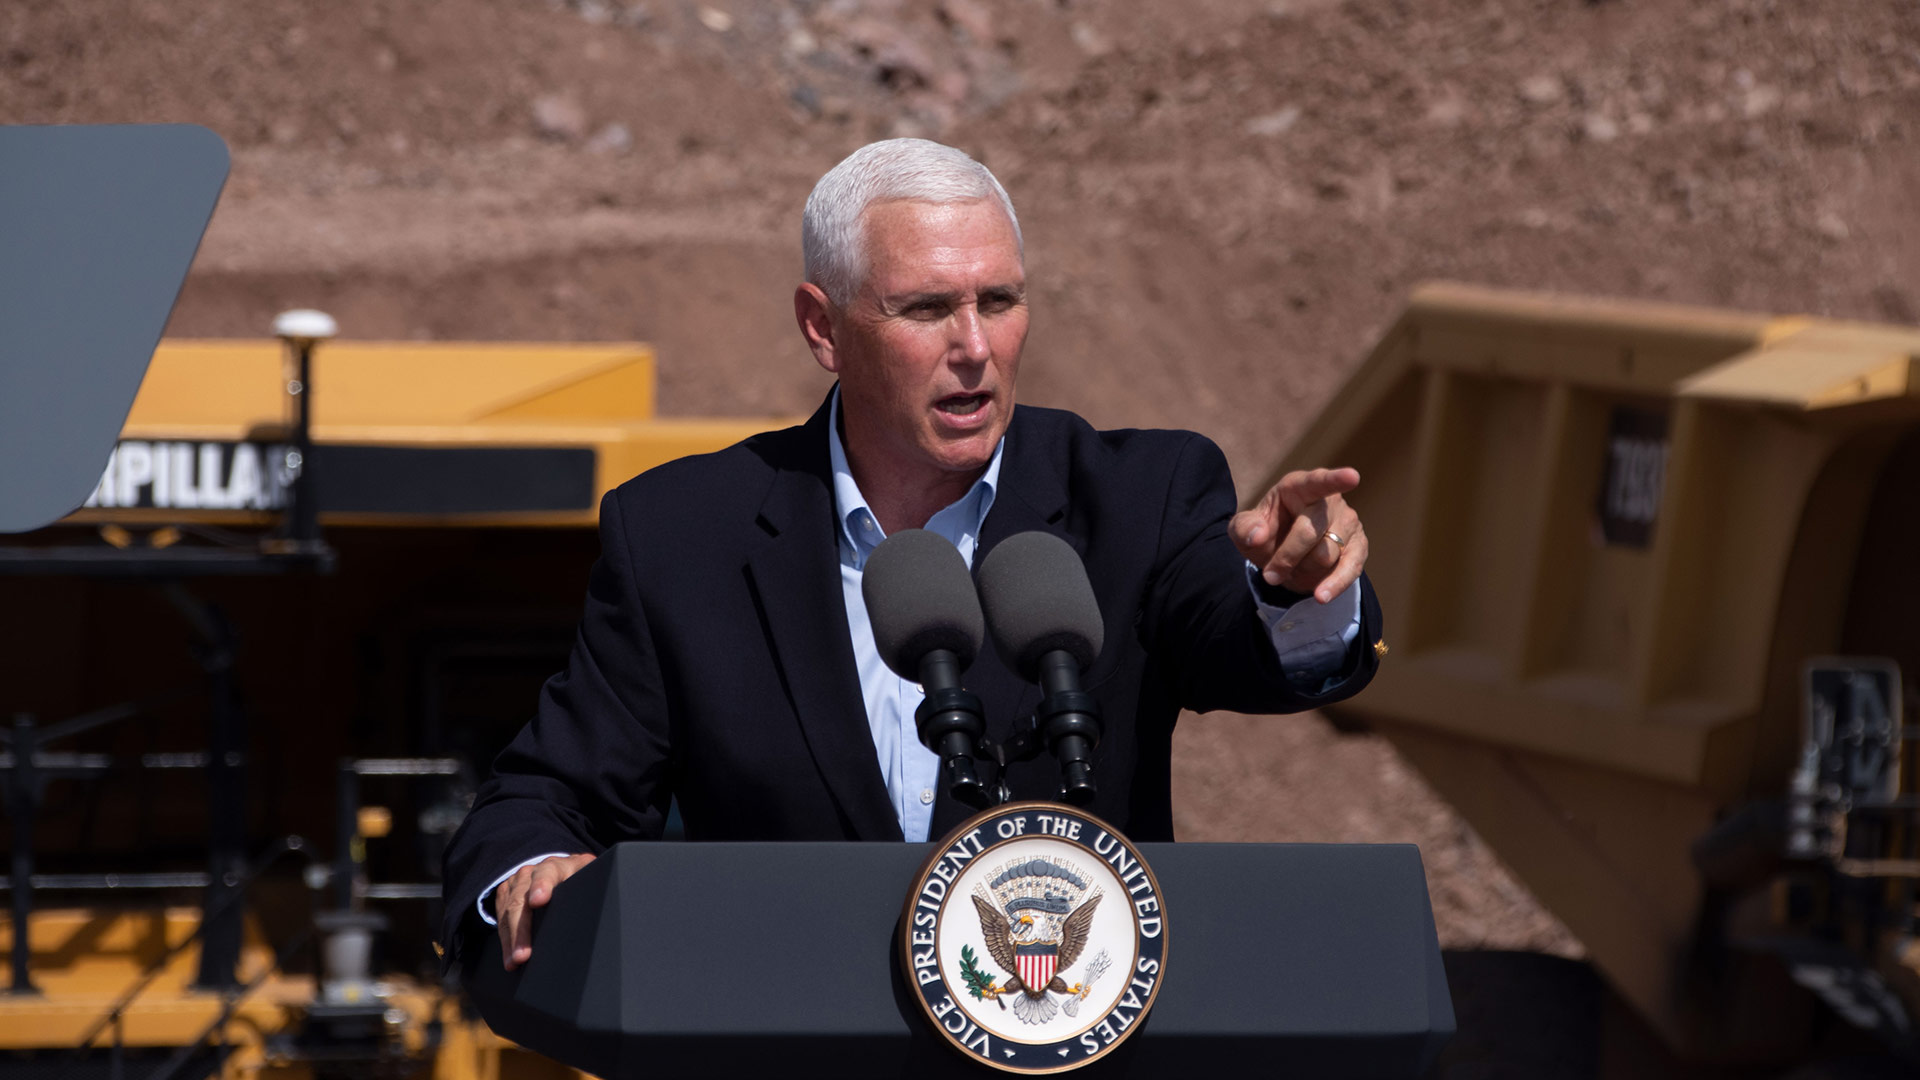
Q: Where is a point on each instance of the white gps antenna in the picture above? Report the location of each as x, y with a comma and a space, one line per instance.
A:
304, 326
301, 329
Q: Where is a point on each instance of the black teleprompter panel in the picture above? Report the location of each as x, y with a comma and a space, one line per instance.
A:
778, 959
452, 480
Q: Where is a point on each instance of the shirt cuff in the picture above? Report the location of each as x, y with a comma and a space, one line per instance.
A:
481, 904
1309, 638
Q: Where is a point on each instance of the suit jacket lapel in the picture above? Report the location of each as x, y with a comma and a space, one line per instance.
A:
1032, 494
796, 574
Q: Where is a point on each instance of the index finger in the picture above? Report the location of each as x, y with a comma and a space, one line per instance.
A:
1304, 488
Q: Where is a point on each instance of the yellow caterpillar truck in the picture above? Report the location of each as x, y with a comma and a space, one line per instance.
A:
246, 690
1653, 575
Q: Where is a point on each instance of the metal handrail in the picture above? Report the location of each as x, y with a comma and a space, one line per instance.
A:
273, 853
186, 879
229, 1005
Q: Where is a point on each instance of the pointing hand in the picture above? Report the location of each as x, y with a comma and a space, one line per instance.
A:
1303, 536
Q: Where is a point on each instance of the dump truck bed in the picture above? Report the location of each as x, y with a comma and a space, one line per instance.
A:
1610, 535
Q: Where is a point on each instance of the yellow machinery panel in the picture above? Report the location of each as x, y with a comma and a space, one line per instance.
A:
198, 385
1608, 536
427, 395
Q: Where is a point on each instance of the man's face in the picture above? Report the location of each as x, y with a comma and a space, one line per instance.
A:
928, 348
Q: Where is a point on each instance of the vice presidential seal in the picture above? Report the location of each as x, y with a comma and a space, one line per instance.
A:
1034, 938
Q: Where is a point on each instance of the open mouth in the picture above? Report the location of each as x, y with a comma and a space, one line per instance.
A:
963, 405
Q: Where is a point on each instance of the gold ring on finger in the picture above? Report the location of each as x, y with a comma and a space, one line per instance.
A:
1335, 537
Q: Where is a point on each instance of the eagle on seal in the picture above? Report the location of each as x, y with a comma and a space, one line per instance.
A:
1036, 925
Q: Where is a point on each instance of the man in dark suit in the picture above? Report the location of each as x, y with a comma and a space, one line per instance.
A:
724, 656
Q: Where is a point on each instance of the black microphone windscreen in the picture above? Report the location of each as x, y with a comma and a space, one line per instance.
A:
1038, 600
920, 598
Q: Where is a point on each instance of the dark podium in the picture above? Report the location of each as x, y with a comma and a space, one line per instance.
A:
780, 959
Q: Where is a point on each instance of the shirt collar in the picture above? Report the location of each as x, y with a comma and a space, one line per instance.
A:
860, 531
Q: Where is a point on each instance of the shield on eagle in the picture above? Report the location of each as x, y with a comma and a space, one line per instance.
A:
1036, 962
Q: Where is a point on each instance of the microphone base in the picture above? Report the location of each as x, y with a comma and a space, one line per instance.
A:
1068, 722
962, 781
1076, 772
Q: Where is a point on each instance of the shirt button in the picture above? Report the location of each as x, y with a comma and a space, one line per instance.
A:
1286, 626
866, 523
926, 796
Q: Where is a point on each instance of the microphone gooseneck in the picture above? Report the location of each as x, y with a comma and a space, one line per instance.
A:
1046, 623
951, 720
928, 627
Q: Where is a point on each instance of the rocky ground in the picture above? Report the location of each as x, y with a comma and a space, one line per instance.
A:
1224, 201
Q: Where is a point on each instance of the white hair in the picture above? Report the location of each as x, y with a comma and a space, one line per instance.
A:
832, 230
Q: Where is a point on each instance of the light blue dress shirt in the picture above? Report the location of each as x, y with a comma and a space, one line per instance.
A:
911, 770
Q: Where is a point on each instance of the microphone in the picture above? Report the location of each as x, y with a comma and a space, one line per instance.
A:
1047, 625
926, 621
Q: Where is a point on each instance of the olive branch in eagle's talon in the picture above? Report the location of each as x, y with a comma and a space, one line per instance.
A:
979, 983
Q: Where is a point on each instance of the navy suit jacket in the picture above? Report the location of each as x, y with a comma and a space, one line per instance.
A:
714, 664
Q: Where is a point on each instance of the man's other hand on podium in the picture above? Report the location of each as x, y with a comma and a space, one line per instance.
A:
513, 903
